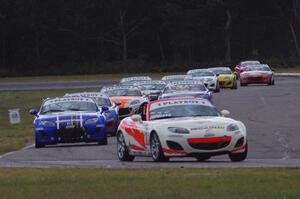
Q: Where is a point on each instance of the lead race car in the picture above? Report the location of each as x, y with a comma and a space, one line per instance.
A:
257, 74
68, 120
112, 109
181, 127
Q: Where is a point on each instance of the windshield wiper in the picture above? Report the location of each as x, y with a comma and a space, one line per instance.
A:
53, 110
74, 109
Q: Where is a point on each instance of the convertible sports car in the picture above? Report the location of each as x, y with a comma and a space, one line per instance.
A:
181, 127
225, 77
69, 119
151, 89
188, 88
129, 81
130, 98
242, 65
111, 115
208, 77
172, 78
258, 74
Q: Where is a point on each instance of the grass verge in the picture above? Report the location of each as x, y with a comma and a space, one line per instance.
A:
13, 137
150, 183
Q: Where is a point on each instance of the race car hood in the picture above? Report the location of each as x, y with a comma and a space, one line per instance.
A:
205, 78
185, 94
256, 73
125, 99
198, 124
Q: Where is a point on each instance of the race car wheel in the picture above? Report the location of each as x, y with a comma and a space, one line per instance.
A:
201, 158
103, 142
271, 81
123, 153
217, 88
238, 157
38, 144
243, 84
234, 85
156, 149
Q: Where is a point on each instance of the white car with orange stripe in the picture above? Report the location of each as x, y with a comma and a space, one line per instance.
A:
129, 98
181, 127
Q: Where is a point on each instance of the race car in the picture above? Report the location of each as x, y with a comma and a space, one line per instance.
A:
226, 78
172, 78
208, 77
130, 98
258, 74
129, 81
151, 89
242, 65
181, 127
188, 88
111, 115
68, 120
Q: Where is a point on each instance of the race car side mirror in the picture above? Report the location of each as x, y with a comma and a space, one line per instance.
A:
117, 103
104, 109
136, 118
33, 112
224, 113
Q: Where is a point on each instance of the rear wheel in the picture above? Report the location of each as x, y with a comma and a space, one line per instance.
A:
156, 149
238, 157
123, 153
217, 88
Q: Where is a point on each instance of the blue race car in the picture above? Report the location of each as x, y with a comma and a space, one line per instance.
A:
68, 120
112, 115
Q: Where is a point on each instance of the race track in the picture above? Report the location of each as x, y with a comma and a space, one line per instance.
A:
270, 113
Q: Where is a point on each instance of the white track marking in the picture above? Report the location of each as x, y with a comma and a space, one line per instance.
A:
10, 153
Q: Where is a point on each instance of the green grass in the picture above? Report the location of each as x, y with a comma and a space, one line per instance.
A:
150, 183
13, 137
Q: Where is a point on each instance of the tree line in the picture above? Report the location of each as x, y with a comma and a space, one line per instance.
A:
104, 36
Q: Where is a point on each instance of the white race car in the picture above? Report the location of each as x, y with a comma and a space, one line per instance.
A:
172, 78
181, 127
208, 77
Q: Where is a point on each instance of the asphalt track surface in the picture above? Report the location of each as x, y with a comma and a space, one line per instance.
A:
270, 113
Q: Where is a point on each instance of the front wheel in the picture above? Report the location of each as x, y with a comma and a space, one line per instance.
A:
234, 85
156, 149
123, 153
217, 88
238, 157
103, 142
38, 144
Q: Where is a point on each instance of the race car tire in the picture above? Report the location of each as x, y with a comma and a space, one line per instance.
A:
234, 85
217, 88
122, 150
201, 158
156, 149
243, 84
103, 142
238, 157
38, 144
271, 82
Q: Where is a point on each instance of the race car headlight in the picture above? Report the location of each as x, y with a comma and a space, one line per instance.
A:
179, 130
91, 121
47, 123
232, 127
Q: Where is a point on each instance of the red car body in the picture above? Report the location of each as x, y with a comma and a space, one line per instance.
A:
257, 75
242, 66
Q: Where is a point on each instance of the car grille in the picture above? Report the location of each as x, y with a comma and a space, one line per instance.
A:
209, 143
255, 79
124, 111
70, 135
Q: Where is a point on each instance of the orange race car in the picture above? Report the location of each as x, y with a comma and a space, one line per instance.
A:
130, 98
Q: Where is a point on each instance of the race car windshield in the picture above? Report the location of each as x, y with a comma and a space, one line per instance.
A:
69, 106
101, 101
258, 69
184, 87
222, 71
152, 86
123, 92
185, 110
203, 74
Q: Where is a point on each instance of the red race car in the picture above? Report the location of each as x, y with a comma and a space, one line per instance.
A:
258, 74
242, 66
